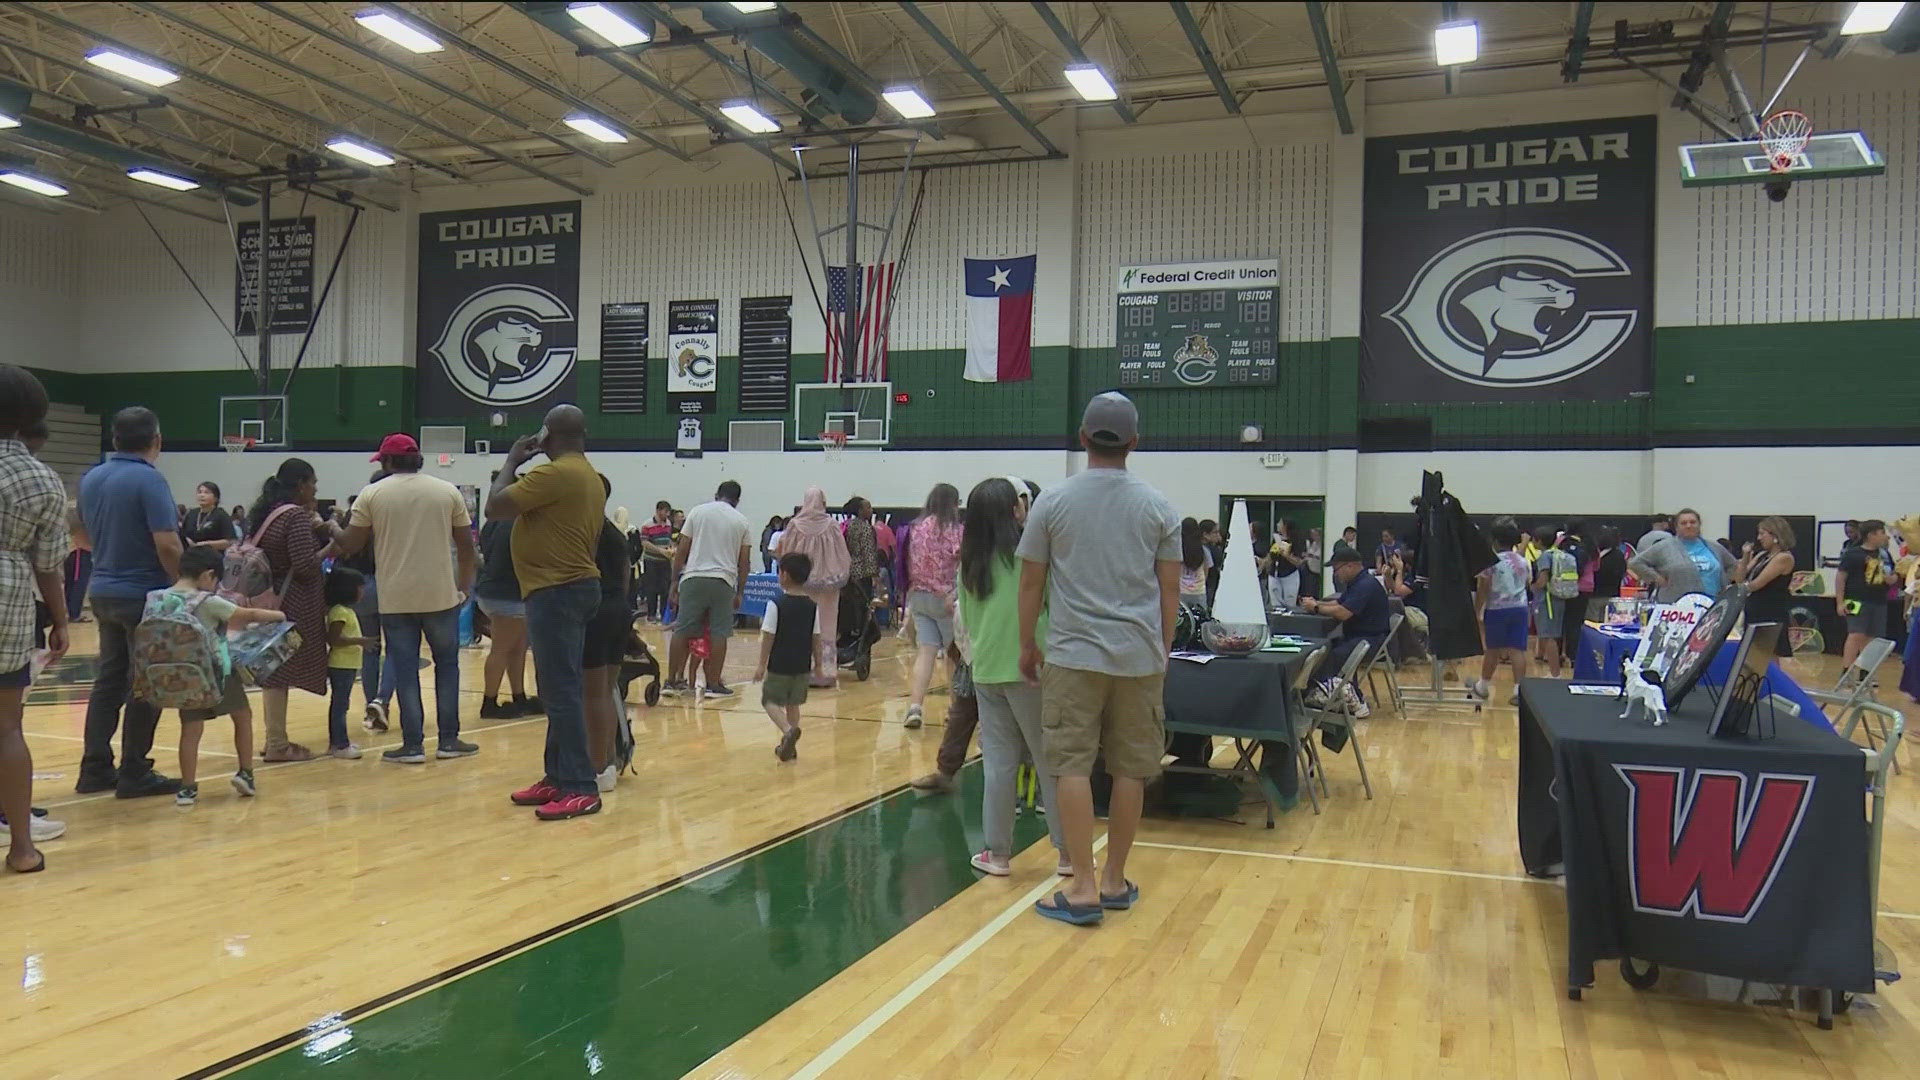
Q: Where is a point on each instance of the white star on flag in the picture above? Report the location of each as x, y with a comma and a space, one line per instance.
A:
998, 277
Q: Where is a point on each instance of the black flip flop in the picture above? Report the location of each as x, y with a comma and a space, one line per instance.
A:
1063, 911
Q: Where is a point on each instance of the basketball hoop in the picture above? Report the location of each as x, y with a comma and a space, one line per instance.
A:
833, 444
236, 444
1784, 136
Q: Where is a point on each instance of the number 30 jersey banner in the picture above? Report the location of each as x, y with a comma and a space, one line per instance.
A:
1509, 264
499, 303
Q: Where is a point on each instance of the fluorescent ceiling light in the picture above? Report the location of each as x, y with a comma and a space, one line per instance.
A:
9, 121
165, 180
1870, 18
1091, 83
595, 128
907, 102
754, 8
609, 24
1456, 43
744, 114
132, 67
401, 33
359, 151
33, 184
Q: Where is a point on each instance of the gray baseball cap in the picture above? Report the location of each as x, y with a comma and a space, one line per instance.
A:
1110, 421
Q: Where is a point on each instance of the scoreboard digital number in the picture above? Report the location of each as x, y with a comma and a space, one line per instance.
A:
1198, 324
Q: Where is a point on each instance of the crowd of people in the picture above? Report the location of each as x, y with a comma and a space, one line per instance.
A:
1052, 612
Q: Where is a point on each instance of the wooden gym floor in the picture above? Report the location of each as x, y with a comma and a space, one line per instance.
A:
732, 917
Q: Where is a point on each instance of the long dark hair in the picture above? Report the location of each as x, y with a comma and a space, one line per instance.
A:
988, 532
282, 487
943, 503
1193, 550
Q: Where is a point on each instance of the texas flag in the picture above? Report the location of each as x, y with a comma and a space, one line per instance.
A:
1000, 319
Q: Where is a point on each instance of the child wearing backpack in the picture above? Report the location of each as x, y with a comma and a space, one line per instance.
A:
344, 645
1556, 580
168, 671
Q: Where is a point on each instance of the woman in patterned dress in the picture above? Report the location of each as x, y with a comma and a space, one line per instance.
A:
33, 543
292, 546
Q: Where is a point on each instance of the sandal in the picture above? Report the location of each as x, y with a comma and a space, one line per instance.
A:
289, 752
1064, 911
984, 863
1121, 901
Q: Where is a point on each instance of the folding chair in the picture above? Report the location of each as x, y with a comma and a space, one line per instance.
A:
1854, 690
1338, 714
1383, 662
1301, 721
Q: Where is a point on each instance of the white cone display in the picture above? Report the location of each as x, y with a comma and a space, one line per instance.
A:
1238, 600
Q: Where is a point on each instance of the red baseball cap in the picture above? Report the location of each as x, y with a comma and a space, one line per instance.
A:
397, 443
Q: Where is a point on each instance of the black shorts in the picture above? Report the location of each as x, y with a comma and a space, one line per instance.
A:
606, 642
17, 680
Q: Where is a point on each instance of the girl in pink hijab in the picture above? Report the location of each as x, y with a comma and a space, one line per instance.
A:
813, 534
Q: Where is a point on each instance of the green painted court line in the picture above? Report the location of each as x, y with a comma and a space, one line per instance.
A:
658, 988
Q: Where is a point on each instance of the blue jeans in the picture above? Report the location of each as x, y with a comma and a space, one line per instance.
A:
557, 631
376, 679
442, 631
341, 678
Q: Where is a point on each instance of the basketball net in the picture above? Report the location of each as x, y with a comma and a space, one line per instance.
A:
235, 444
833, 444
1784, 136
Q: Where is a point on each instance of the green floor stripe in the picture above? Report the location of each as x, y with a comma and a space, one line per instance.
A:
655, 990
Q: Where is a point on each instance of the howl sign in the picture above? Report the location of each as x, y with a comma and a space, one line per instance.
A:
1509, 263
498, 309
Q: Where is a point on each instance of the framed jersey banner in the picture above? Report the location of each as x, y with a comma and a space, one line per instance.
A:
1509, 264
499, 302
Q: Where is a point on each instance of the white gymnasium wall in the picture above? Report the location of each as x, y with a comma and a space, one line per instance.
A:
39, 287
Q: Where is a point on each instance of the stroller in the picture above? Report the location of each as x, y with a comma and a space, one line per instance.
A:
639, 661
858, 629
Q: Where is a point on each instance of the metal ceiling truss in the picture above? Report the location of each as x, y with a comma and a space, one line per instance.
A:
967, 65
1330, 64
1079, 55
1204, 53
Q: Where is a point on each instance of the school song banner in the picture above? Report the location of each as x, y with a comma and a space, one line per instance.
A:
1509, 264
499, 301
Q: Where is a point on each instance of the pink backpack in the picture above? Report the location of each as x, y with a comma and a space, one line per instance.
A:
246, 576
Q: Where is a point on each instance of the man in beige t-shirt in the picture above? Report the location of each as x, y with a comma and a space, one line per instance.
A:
418, 524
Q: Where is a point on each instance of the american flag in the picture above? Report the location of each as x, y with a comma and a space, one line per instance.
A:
876, 285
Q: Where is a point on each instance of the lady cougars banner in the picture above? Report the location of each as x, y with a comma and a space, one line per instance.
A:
1509, 264
499, 299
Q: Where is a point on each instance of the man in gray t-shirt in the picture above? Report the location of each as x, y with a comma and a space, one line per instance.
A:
1102, 551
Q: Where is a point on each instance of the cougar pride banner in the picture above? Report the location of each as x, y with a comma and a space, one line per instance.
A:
499, 302
1509, 263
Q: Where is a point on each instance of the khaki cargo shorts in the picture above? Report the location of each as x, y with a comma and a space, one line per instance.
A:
1086, 713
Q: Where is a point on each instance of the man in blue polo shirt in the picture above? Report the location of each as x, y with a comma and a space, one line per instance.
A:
129, 515
1361, 609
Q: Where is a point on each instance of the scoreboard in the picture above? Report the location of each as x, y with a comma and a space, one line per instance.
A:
1197, 324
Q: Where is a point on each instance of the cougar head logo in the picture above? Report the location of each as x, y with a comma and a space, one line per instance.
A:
503, 343
495, 347
1195, 363
690, 363
1504, 307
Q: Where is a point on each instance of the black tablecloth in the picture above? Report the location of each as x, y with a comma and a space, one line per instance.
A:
1737, 857
1237, 697
1308, 626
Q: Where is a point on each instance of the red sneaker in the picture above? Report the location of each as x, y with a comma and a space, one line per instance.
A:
536, 795
568, 806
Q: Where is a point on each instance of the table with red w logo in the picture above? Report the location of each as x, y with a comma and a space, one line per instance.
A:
1730, 856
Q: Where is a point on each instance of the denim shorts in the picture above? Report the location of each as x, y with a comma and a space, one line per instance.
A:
503, 609
932, 622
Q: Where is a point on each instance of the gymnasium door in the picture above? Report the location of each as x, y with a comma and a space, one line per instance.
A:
1270, 510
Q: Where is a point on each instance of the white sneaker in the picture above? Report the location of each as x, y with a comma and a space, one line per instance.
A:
1359, 710
45, 829
607, 778
349, 752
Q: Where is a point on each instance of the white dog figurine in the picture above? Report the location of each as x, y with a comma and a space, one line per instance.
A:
1645, 694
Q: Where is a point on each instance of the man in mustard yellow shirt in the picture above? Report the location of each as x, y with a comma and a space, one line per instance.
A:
557, 508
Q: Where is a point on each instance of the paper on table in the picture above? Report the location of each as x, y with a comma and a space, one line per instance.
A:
1193, 657
1595, 691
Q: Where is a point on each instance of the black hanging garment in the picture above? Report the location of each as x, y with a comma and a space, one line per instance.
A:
1450, 554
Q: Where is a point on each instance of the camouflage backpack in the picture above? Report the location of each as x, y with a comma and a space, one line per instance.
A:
176, 662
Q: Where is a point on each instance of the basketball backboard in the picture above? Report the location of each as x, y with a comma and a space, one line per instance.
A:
262, 418
1828, 156
863, 412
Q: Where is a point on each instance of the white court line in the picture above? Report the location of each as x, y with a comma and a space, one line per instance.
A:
910, 993
1394, 866
76, 738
